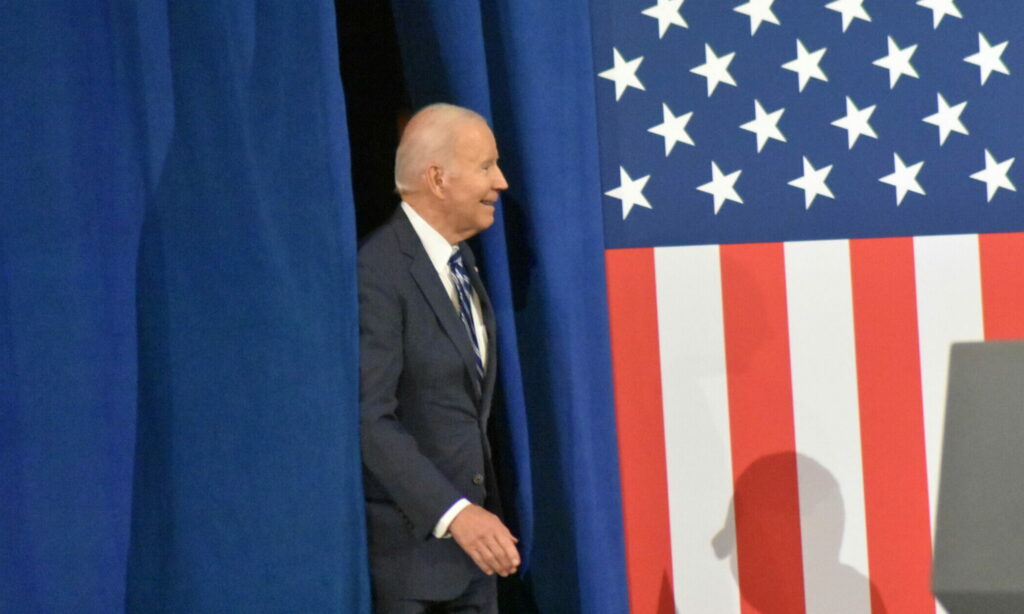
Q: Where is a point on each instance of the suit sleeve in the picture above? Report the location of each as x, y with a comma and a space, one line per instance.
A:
390, 453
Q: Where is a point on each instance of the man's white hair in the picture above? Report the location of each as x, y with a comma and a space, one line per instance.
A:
428, 139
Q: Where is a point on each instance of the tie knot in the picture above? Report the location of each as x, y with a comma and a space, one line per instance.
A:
456, 258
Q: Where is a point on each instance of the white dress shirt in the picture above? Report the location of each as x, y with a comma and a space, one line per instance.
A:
439, 250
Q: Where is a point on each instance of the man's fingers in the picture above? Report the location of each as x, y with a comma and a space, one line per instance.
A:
505, 556
508, 542
509, 554
513, 551
493, 556
489, 563
500, 558
485, 557
488, 560
481, 562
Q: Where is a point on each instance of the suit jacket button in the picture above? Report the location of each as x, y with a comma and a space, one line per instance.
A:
478, 479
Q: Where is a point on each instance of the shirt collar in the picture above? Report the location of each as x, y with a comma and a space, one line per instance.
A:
438, 248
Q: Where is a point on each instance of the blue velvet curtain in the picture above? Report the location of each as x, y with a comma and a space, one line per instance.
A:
71, 206
178, 331
178, 369
527, 65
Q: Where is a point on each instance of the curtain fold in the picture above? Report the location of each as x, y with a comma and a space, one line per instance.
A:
528, 66
71, 207
178, 330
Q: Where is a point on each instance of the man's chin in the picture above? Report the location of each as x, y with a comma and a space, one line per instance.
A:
486, 217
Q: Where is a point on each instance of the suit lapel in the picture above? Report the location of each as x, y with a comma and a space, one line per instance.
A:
425, 275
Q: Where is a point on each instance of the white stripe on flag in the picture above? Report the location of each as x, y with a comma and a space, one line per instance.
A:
948, 309
827, 423
696, 426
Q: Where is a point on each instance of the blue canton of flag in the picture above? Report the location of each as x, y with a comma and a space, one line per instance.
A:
776, 120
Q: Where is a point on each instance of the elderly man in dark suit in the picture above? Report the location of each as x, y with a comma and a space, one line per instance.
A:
427, 377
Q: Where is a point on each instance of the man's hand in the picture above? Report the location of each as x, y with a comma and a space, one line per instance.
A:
486, 540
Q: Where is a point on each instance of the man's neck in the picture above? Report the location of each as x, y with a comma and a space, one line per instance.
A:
432, 214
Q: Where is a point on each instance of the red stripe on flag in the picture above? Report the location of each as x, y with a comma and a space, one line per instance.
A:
766, 500
636, 364
1002, 285
892, 425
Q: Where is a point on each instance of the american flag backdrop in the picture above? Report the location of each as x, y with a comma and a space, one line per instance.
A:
806, 202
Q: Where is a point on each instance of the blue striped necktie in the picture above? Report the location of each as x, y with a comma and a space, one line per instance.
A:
465, 292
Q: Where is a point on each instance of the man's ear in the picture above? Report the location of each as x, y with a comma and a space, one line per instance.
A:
436, 180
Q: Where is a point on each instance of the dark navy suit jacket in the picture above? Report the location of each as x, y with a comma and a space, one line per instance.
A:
423, 415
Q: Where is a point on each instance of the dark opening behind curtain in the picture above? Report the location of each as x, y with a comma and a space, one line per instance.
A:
176, 256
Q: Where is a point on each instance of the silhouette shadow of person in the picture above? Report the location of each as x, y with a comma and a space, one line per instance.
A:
774, 575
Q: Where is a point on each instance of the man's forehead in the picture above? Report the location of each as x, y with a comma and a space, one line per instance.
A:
474, 137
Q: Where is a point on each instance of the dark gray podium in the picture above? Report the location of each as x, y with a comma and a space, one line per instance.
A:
979, 540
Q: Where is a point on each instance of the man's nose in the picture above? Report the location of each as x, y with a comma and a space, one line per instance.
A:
499, 182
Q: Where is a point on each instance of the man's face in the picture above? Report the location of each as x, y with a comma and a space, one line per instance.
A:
474, 179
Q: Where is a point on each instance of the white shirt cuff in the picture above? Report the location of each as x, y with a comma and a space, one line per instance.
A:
441, 528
